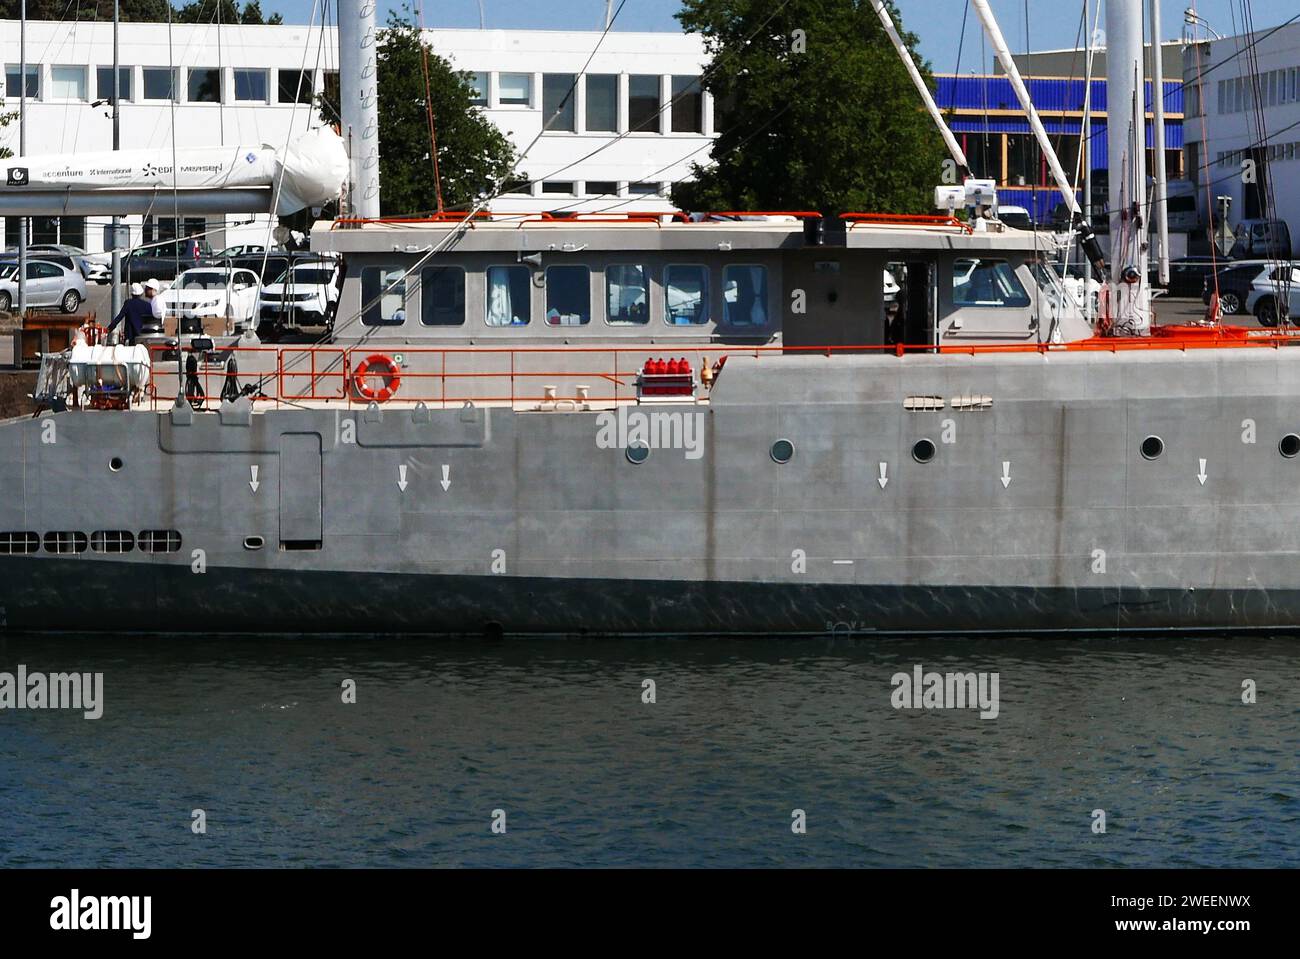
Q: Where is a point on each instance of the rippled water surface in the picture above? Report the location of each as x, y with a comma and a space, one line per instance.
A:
555, 734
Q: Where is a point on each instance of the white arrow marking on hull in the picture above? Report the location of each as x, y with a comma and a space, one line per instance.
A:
1006, 473
253, 483
884, 475
401, 477
1201, 475
446, 477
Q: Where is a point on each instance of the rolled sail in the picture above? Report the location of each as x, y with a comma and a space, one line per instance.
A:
310, 172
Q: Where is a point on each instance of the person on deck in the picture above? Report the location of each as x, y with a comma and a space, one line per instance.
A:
135, 311
152, 292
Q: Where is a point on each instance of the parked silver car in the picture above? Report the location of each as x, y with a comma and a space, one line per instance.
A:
49, 285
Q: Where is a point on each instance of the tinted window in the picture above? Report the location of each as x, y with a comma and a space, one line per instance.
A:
987, 283
557, 101
250, 85
205, 85
442, 296
688, 105
643, 104
104, 83
568, 296
294, 86
157, 83
602, 102
744, 295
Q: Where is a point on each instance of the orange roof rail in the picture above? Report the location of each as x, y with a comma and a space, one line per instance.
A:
799, 214
906, 219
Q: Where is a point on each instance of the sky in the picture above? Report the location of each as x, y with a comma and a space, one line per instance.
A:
937, 22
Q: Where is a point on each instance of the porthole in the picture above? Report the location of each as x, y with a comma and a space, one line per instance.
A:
782, 451
637, 453
923, 451
115, 464
1289, 446
1152, 447
254, 542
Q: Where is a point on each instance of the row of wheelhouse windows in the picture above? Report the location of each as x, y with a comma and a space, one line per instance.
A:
621, 295
18, 542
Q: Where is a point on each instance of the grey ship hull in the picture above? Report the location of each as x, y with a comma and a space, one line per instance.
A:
540, 529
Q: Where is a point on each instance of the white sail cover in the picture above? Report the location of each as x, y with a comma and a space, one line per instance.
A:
314, 167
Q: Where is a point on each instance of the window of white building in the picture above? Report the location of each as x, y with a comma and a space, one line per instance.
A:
159, 83
643, 104
67, 83
602, 102
294, 86
13, 89
515, 89
558, 92
478, 83
250, 86
688, 105
104, 83
204, 85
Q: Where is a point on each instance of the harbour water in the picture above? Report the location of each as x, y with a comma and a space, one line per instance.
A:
446, 736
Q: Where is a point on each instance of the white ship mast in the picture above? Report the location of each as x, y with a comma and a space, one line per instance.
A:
359, 104
1126, 128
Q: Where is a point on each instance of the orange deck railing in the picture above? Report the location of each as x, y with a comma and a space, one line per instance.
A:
450, 376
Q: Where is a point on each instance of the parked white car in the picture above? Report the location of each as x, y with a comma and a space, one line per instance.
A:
213, 291
305, 295
49, 285
1278, 284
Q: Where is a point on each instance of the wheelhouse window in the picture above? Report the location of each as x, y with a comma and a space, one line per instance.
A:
602, 102
744, 295
383, 296
568, 296
686, 295
991, 283
627, 295
643, 104
688, 105
557, 101
515, 89
509, 289
442, 296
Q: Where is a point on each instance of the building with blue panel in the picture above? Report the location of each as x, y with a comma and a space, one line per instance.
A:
993, 130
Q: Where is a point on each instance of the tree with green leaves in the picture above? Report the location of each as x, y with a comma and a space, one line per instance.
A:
130, 11
816, 111
473, 154
139, 11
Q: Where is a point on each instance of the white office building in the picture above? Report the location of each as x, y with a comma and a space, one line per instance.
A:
1222, 125
636, 122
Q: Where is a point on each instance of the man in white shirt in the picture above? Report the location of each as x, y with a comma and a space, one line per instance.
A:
151, 290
